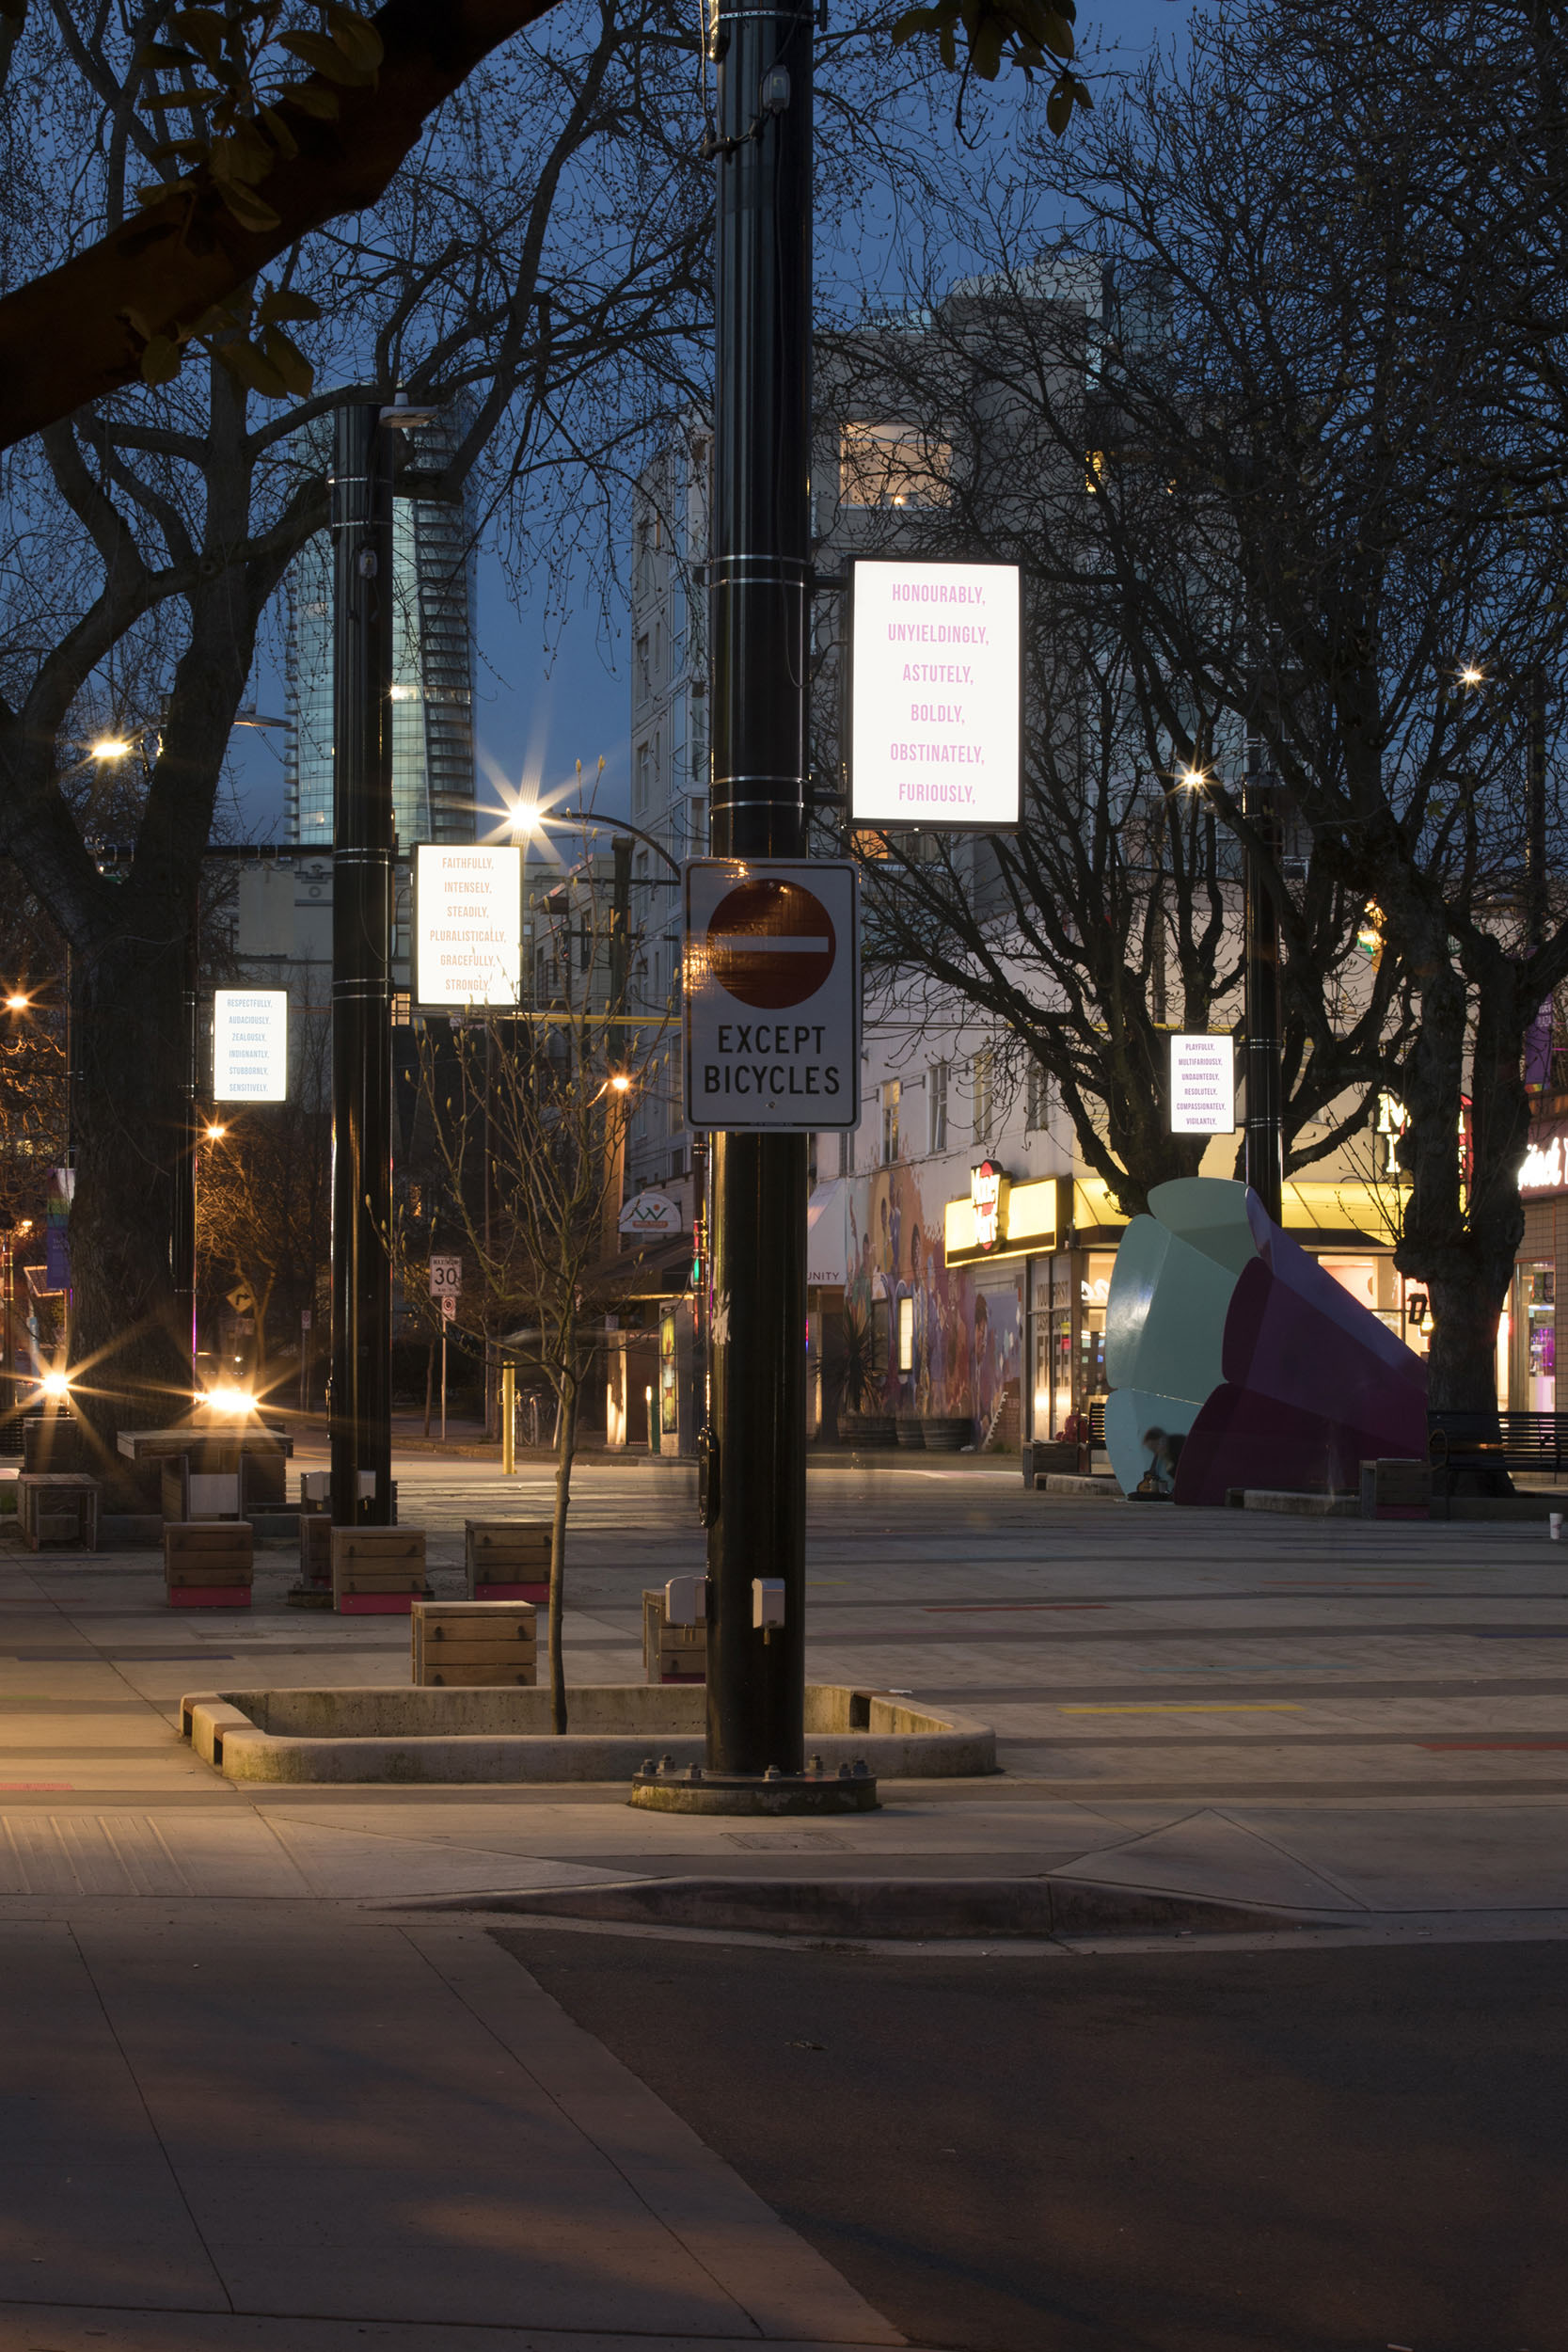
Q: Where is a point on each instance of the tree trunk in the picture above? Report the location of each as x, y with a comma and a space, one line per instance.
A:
429, 1383
565, 1449
131, 1126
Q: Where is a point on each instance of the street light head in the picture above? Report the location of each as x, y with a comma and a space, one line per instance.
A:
215, 1134
229, 1399
1192, 779
111, 747
1472, 675
16, 1002
525, 816
55, 1384
619, 1084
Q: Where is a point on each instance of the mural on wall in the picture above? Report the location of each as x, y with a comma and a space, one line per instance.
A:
964, 1343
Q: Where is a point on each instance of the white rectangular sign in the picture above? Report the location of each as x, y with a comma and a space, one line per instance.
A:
446, 1274
1202, 1086
250, 1045
936, 684
468, 923
773, 994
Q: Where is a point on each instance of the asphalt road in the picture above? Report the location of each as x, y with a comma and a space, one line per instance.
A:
1167, 2151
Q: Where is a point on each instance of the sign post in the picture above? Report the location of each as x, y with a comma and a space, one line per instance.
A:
446, 1286
755, 1441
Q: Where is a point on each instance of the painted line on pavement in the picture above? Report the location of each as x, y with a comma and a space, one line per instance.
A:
1195, 1707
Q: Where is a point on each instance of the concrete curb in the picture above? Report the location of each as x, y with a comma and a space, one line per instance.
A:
880, 1910
896, 1743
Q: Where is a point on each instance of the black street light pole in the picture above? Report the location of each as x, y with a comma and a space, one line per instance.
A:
363, 848
759, 602
1265, 1145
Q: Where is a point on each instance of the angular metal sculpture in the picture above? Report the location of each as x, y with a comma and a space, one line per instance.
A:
1235, 1360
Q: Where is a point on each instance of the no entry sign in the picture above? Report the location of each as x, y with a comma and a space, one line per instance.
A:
773, 994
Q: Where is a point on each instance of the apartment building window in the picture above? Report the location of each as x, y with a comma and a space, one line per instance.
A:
891, 1089
697, 830
892, 464
644, 671
644, 553
1036, 1099
642, 778
936, 1106
985, 1094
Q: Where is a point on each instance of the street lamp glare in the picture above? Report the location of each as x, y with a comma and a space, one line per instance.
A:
111, 747
1472, 675
1192, 779
16, 1002
215, 1134
619, 1084
525, 816
55, 1384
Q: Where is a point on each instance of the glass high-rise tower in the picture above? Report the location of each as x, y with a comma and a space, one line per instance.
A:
433, 663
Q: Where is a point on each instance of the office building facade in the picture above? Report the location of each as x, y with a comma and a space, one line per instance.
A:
433, 663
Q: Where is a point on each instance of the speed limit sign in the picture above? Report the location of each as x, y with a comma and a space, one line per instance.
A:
446, 1276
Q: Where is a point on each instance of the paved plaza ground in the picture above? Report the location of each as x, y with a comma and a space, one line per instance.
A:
257, 2094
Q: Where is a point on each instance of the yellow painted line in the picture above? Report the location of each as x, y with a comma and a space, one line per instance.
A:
1198, 1707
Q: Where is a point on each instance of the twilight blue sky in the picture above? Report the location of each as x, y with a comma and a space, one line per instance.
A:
547, 698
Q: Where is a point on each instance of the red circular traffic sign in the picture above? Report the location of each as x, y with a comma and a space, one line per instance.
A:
770, 943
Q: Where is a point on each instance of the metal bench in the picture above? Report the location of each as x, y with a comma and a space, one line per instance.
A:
1462, 1443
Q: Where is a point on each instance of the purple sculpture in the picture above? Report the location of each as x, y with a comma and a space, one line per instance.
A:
1313, 1383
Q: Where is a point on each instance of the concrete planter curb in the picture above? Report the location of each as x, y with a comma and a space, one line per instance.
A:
412, 1735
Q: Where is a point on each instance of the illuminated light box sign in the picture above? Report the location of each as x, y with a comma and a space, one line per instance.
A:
1202, 1086
936, 680
250, 1045
467, 925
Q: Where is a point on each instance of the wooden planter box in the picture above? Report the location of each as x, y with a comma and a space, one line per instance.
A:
507, 1560
377, 1571
474, 1645
209, 1564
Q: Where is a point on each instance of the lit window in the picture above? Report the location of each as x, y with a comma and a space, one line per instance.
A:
890, 1092
906, 1333
892, 464
936, 1107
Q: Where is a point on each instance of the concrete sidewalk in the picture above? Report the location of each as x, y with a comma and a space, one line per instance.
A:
278, 2128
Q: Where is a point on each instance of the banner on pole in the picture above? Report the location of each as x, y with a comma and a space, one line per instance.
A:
469, 925
1202, 1086
250, 1045
936, 688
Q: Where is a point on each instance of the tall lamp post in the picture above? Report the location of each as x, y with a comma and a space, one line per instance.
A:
759, 591
360, 1421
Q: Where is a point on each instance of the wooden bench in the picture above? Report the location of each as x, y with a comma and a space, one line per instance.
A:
1461, 1442
475, 1644
209, 1564
671, 1653
377, 1571
57, 1507
507, 1560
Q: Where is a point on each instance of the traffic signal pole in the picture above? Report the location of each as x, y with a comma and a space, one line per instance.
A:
759, 602
362, 851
